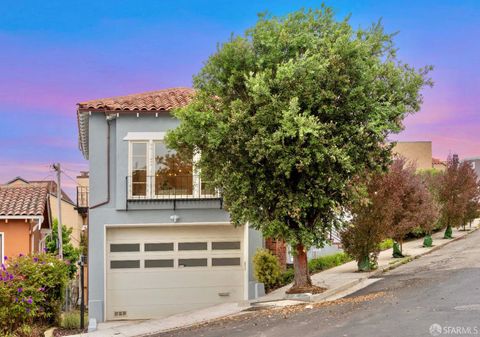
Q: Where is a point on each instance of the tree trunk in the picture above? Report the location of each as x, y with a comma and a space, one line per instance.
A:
300, 264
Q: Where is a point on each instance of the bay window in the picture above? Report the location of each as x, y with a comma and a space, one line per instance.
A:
156, 172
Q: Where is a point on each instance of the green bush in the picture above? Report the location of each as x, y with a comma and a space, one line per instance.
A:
70, 254
316, 265
287, 276
266, 268
71, 320
386, 244
31, 290
327, 262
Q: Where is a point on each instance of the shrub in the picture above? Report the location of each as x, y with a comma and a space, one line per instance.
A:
287, 276
31, 289
327, 262
267, 268
71, 320
70, 254
386, 244
316, 265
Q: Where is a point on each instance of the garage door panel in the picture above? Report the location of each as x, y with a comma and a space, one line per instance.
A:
167, 279
170, 232
207, 270
162, 310
198, 295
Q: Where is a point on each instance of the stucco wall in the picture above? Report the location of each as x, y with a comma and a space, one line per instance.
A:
114, 212
70, 218
419, 153
475, 162
16, 235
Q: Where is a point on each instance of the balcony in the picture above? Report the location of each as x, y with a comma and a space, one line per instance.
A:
82, 199
170, 188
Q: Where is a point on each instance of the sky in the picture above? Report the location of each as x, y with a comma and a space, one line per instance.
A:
54, 54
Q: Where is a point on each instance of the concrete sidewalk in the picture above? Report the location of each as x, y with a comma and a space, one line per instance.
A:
341, 278
339, 282
148, 327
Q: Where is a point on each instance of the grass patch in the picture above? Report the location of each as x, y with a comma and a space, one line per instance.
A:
71, 320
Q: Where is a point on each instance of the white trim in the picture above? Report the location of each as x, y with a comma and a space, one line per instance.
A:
246, 262
150, 163
145, 136
28, 217
220, 223
104, 273
2, 241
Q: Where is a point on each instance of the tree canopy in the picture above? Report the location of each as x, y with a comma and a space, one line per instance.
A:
458, 193
286, 115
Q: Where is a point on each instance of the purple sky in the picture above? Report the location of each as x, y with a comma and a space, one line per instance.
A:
56, 53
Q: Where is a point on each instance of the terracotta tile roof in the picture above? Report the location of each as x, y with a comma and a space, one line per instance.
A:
23, 200
160, 100
50, 184
52, 188
436, 161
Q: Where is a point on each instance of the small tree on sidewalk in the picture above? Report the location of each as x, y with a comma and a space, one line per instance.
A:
430, 179
396, 201
361, 240
409, 201
458, 195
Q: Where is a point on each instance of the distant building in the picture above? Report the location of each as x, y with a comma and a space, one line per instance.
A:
25, 219
70, 216
475, 162
439, 164
417, 152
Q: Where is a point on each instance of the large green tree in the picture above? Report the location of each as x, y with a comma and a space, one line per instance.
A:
288, 114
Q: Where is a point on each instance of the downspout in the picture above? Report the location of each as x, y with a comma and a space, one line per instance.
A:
108, 166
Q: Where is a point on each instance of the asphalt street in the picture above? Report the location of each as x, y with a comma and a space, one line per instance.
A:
435, 295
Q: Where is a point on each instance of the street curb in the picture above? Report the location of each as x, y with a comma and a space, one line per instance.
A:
308, 297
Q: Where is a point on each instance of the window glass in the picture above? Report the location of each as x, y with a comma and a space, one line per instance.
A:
139, 169
192, 263
225, 261
125, 264
158, 263
124, 247
173, 176
192, 246
226, 245
158, 247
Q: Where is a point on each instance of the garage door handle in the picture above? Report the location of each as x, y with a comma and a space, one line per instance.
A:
223, 294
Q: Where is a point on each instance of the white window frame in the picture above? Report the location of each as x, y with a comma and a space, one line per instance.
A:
130, 169
150, 138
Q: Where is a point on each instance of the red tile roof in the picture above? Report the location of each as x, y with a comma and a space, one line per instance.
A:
50, 184
160, 100
23, 200
436, 161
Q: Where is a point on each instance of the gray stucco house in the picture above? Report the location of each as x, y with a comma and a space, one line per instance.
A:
475, 163
160, 241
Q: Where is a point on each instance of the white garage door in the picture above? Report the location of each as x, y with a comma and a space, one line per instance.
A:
159, 271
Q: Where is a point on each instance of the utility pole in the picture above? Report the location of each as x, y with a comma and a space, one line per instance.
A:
56, 167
